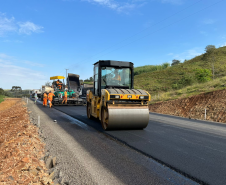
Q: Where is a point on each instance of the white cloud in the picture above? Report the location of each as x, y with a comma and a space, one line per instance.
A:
18, 76
126, 7
33, 64
15, 41
208, 21
221, 45
188, 54
177, 2
10, 25
29, 27
119, 6
7, 24
4, 56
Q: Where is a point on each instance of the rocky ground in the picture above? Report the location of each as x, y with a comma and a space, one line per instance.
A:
21, 149
194, 107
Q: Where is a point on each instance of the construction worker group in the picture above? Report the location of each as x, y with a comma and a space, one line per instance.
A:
49, 98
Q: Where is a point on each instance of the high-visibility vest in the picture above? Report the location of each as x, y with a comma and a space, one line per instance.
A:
50, 96
45, 96
65, 94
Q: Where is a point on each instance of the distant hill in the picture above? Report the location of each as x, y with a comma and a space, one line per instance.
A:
189, 73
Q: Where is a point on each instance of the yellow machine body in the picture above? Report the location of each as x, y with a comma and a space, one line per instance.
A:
57, 77
120, 111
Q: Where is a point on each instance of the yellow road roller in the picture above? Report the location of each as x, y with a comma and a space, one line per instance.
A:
113, 100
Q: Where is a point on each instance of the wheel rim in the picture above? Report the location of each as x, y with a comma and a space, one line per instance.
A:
88, 111
103, 119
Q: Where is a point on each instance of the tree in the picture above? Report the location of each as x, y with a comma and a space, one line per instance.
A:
2, 92
48, 84
175, 62
210, 49
91, 79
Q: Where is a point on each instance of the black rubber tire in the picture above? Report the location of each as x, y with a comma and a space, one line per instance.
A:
88, 111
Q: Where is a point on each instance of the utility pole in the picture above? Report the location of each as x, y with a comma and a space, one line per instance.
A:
66, 75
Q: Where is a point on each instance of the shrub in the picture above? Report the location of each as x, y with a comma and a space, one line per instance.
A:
2, 92
175, 86
186, 80
203, 75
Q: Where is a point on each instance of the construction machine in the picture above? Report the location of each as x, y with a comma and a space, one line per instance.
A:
72, 96
113, 100
73, 82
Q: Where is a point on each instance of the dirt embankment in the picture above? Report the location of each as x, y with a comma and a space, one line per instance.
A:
20, 146
194, 107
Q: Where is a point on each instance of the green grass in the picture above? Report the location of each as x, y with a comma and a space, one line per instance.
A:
161, 83
217, 84
2, 98
150, 68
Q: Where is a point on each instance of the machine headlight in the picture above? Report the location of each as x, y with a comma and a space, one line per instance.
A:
129, 96
144, 97
115, 96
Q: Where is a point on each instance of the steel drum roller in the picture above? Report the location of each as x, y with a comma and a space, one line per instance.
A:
127, 117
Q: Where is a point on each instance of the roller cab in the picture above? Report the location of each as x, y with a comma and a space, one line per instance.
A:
113, 99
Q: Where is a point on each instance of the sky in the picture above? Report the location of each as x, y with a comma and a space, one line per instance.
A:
40, 38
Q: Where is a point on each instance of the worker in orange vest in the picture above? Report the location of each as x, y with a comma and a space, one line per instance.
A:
50, 98
117, 76
45, 99
65, 97
59, 84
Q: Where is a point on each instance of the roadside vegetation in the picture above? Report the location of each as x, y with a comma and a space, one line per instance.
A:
3, 94
150, 68
195, 89
2, 98
203, 73
87, 81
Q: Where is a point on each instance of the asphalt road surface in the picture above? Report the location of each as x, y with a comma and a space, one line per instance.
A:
194, 148
87, 156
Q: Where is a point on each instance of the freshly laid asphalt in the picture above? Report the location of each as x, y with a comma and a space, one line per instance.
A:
87, 156
195, 148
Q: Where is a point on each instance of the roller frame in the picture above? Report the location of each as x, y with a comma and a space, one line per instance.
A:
115, 115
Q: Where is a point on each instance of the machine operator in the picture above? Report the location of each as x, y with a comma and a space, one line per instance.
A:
59, 84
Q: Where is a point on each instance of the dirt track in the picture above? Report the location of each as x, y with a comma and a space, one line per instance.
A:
20, 146
194, 107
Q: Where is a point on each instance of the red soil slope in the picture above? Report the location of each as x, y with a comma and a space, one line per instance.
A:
194, 107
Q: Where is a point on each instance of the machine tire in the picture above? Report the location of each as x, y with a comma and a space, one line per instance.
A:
88, 111
103, 122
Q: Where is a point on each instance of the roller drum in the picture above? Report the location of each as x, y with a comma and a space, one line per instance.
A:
127, 117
